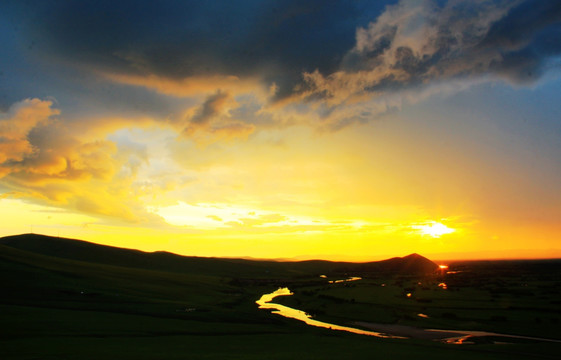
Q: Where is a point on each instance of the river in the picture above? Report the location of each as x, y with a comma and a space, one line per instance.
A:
385, 330
265, 303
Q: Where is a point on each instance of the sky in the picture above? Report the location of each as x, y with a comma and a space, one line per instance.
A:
341, 130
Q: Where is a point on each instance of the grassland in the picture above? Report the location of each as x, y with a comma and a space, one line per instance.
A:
514, 297
64, 299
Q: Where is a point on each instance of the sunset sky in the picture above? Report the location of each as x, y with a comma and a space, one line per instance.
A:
343, 130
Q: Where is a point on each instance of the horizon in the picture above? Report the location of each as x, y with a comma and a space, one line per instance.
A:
438, 260
284, 130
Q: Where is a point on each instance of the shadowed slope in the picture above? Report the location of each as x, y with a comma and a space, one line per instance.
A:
79, 250
413, 264
69, 299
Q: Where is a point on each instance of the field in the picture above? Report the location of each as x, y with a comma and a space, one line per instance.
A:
64, 299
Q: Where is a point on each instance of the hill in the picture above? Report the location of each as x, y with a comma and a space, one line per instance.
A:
70, 299
78, 250
61, 295
410, 264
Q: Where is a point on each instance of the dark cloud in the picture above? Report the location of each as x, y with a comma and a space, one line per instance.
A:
527, 37
327, 51
215, 119
524, 24
276, 39
413, 44
211, 107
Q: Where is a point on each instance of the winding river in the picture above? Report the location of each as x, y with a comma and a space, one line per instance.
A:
384, 330
265, 303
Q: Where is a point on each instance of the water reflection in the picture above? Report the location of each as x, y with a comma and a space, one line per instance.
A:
447, 336
464, 337
354, 278
265, 303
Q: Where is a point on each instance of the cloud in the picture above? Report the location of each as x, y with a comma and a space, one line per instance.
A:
215, 105
410, 47
417, 43
43, 160
15, 126
260, 220
214, 217
213, 120
189, 86
327, 64
273, 40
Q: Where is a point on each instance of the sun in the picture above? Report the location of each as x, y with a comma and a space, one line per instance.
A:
434, 229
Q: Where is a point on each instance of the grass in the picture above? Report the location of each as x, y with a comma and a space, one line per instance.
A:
74, 305
520, 309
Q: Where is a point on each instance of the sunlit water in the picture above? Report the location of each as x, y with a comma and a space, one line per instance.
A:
462, 336
354, 278
265, 303
465, 336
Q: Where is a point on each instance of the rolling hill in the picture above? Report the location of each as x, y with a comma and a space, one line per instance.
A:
78, 250
71, 299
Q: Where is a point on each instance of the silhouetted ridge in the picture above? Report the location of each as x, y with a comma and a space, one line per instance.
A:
410, 264
79, 250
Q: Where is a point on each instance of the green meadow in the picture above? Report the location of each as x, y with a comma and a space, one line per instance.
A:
66, 299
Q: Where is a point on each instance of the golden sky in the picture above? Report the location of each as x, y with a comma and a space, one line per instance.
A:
417, 128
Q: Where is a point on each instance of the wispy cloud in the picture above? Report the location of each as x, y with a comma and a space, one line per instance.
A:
418, 44
215, 120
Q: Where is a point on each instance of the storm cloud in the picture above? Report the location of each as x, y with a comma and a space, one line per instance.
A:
176, 40
415, 44
259, 64
222, 70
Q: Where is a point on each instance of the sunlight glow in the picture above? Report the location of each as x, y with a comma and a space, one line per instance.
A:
434, 229
343, 152
214, 216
